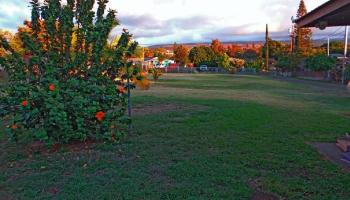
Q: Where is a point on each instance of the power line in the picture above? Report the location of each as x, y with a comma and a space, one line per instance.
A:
333, 36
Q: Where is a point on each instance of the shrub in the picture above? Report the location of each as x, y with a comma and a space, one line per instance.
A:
208, 63
156, 73
237, 63
288, 63
67, 90
256, 64
320, 62
223, 61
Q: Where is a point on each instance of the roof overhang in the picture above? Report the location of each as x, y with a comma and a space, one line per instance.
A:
332, 13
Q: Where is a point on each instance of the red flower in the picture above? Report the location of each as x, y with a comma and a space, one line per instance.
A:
121, 89
24, 103
100, 116
14, 126
51, 87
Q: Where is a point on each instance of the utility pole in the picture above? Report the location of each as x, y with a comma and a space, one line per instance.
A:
345, 53
346, 41
267, 48
291, 34
328, 46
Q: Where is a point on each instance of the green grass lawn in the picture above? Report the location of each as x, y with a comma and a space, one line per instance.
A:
234, 134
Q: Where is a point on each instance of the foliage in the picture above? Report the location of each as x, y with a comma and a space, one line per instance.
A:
138, 52
181, 55
320, 62
276, 49
217, 47
208, 64
237, 62
336, 47
289, 62
65, 92
232, 50
161, 53
223, 61
201, 54
213, 56
156, 73
14, 42
248, 55
255, 64
274, 117
148, 53
137, 77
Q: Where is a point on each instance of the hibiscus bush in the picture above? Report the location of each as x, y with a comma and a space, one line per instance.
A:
69, 84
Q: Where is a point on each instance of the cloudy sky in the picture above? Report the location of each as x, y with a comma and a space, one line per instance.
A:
168, 21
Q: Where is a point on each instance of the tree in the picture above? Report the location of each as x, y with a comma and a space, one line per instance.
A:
303, 35
64, 92
276, 49
139, 52
181, 55
248, 55
148, 53
161, 53
224, 61
335, 47
13, 40
201, 54
217, 47
232, 50
320, 62
288, 62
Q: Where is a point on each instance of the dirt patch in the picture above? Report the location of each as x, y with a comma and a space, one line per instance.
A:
299, 172
53, 190
259, 194
346, 114
162, 108
75, 146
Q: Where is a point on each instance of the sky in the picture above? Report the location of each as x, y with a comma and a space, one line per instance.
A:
187, 21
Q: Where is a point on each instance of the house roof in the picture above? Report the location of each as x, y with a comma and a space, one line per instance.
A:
331, 13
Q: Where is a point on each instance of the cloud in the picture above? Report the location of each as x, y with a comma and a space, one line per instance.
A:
150, 22
148, 27
168, 21
141, 21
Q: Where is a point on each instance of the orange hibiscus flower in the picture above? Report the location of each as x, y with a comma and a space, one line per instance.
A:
24, 103
51, 87
100, 116
121, 89
14, 126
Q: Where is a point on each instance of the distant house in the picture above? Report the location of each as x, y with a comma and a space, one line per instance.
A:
154, 62
167, 62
